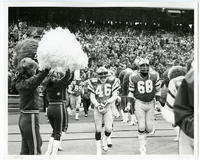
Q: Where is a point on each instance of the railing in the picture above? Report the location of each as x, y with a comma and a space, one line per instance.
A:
13, 103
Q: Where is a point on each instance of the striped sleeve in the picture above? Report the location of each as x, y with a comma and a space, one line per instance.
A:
171, 94
116, 85
70, 87
131, 85
158, 86
91, 87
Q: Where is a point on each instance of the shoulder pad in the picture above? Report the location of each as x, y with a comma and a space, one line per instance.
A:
93, 80
135, 73
111, 78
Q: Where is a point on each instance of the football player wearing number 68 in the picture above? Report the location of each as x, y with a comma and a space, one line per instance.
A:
103, 92
144, 89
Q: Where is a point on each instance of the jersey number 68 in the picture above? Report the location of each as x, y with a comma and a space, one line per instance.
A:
145, 86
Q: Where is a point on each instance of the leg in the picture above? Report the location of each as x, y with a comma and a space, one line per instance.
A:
33, 136
98, 128
149, 121
125, 112
50, 116
133, 120
140, 115
64, 125
85, 105
77, 103
108, 119
58, 123
72, 102
24, 144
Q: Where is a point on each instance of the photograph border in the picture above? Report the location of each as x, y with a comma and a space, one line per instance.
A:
4, 58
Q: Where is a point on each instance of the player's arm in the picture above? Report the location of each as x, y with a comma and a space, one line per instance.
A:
115, 88
131, 98
158, 92
70, 88
167, 110
113, 98
158, 88
92, 94
94, 100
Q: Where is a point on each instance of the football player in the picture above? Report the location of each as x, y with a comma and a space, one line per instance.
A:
75, 91
175, 75
144, 89
103, 92
125, 86
123, 94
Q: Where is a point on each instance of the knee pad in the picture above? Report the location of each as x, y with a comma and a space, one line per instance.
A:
98, 136
107, 133
103, 125
77, 110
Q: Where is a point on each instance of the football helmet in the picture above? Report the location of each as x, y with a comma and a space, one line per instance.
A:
102, 74
144, 66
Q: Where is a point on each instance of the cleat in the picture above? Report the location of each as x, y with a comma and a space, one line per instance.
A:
86, 115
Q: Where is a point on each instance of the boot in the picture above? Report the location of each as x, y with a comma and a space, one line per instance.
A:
61, 138
50, 146
76, 116
98, 145
142, 144
56, 144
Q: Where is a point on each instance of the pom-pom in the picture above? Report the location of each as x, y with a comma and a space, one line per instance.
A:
176, 71
25, 48
59, 49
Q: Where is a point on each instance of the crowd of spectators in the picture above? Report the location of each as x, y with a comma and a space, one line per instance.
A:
115, 47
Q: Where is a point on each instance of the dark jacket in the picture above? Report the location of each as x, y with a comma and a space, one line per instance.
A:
56, 88
184, 105
27, 88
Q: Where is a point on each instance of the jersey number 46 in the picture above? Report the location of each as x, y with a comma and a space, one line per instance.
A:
102, 90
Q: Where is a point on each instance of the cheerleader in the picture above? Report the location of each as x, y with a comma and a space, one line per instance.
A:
56, 112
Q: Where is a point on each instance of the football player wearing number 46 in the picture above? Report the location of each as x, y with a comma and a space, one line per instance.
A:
103, 92
144, 88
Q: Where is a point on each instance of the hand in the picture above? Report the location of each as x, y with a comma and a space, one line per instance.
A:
101, 108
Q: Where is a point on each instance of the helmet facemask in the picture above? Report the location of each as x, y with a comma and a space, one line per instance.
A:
103, 76
144, 69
